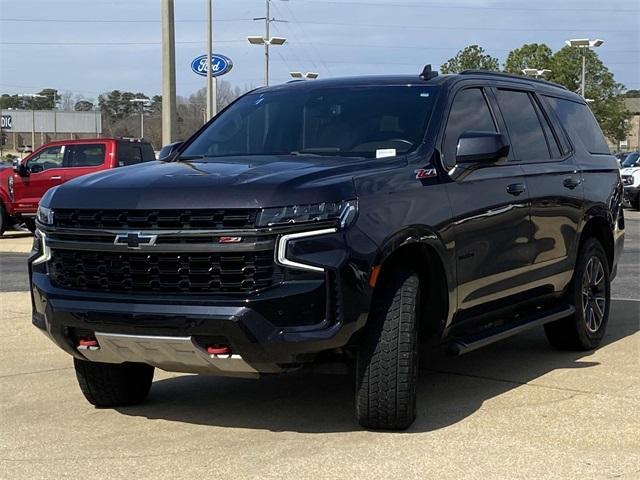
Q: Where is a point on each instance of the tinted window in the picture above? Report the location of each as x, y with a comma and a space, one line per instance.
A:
469, 111
578, 120
130, 153
147, 152
345, 121
527, 137
552, 138
85, 155
48, 158
631, 160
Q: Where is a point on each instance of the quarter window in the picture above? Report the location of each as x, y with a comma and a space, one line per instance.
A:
525, 131
469, 111
578, 120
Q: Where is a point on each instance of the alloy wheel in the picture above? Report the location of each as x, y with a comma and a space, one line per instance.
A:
594, 294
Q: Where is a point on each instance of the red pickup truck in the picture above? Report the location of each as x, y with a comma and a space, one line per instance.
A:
22, 186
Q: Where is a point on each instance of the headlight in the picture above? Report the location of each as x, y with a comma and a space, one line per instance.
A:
10, 186
344, 211
45, 215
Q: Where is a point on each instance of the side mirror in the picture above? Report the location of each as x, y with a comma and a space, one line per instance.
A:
21, 169
478, 148
35, 168
168, 150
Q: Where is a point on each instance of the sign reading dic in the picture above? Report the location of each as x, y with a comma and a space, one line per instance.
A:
6, 122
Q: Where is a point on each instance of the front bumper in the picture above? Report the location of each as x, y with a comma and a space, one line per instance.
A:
631, 193
268, 331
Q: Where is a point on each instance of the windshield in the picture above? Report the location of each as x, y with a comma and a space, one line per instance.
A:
374, 122
631, 160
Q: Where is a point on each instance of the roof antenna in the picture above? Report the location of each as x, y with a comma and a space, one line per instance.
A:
427, 73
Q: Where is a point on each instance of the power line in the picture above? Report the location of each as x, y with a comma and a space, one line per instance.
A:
66, 20
106, 44
443, 27
469, 7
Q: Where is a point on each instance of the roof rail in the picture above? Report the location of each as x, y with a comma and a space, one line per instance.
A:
512, 76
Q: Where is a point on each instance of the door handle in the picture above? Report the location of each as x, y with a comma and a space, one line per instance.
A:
516, 188
55, 177
571, 182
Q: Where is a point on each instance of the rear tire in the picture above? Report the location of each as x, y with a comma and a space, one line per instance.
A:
112, 384
636, 203
387, 368
590, 293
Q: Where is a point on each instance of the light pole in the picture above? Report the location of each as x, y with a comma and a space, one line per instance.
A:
142, 102
534, 72
583, 43
211, 82
32, 96
304, 76
168, 74
267, 40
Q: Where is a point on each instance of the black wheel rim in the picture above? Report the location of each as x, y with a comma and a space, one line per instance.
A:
594, 294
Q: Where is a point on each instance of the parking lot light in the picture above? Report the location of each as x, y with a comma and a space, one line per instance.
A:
584, 43
535, 72
142, 102
304, 76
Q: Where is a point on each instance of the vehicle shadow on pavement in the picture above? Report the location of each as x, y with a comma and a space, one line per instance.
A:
450, 390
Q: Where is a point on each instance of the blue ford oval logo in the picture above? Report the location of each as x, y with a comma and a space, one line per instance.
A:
220, 65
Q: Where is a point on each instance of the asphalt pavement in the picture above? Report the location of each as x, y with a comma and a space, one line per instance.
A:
517, 409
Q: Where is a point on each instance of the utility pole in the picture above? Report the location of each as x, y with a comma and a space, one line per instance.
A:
168, 74
267, 35
584, 69
267, 40
211, 81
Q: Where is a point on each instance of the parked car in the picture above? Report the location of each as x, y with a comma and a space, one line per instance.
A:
621, 156
631, 179
22, 187
24, 148
364, 218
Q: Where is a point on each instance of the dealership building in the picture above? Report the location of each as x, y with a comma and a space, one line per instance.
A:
37, 127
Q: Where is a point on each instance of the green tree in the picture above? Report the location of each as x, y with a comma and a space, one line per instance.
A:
530, 55
632, 93
83, 106
472, 57
600, 86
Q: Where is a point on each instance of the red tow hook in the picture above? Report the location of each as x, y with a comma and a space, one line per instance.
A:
219, 350
88, 342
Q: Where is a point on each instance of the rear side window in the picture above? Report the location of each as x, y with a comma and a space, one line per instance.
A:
527, 137
578, 120
133, 153
469, 111
84, 155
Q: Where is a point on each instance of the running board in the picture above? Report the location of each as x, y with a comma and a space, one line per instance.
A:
473, 342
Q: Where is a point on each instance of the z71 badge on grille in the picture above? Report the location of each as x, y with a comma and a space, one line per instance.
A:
135, 240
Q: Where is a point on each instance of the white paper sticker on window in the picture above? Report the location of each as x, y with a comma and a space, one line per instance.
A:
385, 152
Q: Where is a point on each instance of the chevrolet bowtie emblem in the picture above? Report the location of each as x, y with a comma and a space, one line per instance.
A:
135, 240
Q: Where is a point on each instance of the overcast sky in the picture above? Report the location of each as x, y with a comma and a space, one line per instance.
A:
91, 46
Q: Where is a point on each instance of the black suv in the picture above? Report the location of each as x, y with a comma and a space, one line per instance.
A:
337, 219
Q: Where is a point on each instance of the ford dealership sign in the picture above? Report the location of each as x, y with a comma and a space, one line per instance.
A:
220, 64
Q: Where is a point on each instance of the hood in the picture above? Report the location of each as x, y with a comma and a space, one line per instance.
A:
629, 170
229, 182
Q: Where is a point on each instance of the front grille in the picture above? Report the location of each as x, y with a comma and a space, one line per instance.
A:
156, 219
227, 272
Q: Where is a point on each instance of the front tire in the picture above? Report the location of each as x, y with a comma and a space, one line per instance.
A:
113, 384
3, 219
590, 293
387, 368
